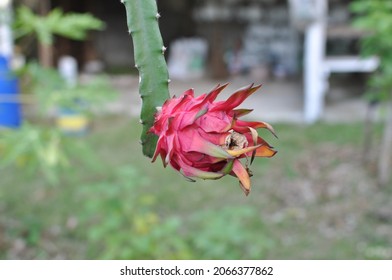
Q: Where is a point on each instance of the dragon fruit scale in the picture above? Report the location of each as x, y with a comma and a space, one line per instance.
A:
205, 139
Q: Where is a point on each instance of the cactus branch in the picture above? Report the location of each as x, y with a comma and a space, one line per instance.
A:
142, 19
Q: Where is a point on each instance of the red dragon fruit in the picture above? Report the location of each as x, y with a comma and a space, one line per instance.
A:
205, 139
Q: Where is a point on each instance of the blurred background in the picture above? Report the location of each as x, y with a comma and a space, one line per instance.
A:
75, 185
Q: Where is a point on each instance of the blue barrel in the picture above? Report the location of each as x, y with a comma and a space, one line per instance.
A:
10, 111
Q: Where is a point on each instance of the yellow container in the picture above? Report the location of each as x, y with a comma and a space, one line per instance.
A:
74, 123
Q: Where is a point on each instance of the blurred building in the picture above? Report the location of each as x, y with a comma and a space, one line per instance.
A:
252, 36
113, 46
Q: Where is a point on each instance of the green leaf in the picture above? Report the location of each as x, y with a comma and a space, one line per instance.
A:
56, 22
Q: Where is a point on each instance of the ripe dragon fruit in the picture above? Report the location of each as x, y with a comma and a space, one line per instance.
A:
204, 139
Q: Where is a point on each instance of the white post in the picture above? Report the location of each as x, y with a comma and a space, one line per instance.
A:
6, 42
313, 62
68, 69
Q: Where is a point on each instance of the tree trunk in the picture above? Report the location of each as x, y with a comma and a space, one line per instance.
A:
45, 52
45, 55
218, 66
367, 157
384, 161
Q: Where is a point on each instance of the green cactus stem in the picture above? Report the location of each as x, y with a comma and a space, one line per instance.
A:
142, 19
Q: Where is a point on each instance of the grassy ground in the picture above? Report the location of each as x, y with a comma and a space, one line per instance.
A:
313, 200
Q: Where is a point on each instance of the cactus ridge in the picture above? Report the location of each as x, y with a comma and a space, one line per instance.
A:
142, 20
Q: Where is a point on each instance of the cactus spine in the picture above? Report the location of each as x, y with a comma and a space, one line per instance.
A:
142, 19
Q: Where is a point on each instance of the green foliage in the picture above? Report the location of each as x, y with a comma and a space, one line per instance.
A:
35, 148
123, 225
41, 146
95, 211
376, 17
228, 233
32, 148
52, 91
142, 18
70, 25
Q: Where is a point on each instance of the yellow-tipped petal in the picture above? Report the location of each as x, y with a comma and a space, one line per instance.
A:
242, 174
244, 189
265, 151
236, 153
189, 171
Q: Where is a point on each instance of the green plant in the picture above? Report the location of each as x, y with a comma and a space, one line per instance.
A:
277, 222
35, 148
40, 145
56, 22
142, 17
44, 28
198, 137
376, 17
230, 233
52, 91
121, 224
